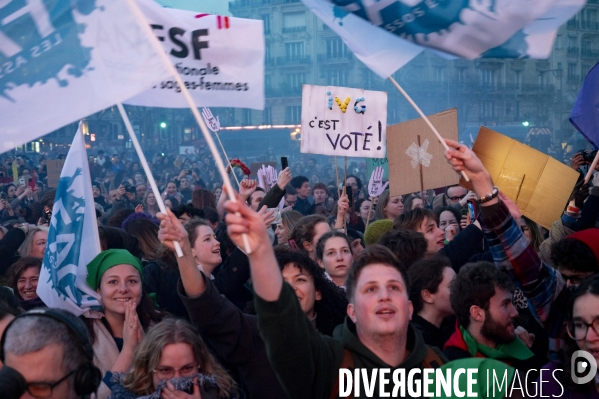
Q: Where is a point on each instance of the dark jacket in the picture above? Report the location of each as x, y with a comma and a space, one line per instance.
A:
433, 335
466, 244
302, 206
231, 278
272, 197
306, 362
9, 245
234, 337
161, 280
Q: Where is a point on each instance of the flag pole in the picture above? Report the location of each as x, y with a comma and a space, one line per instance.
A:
146, 168
194, 109
591, 169
428, 122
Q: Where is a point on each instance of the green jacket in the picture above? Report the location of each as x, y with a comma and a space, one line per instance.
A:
307, 363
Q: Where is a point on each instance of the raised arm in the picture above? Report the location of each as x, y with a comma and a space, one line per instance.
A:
266, 277
171, 230
510, 249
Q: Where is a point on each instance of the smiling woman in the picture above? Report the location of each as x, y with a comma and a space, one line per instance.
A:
116, 276
23, 277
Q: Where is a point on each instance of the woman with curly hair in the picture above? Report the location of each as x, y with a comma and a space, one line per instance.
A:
234, 335
171, 358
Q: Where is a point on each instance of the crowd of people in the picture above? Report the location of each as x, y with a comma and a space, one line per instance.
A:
279, 290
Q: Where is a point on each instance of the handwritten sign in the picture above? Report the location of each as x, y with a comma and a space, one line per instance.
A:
375, 185
344, 121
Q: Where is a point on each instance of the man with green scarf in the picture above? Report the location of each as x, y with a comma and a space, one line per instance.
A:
481, 297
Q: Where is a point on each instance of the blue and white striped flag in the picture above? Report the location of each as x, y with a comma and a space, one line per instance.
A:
387, 34
73, 239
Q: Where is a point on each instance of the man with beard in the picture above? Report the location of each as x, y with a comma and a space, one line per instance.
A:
481, 297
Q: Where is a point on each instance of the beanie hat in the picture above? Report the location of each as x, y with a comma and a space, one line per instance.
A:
107, 259
376, 229
589, 237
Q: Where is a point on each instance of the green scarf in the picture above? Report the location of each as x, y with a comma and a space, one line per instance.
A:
512, 350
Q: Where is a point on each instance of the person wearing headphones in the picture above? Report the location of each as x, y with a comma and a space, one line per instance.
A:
47, 353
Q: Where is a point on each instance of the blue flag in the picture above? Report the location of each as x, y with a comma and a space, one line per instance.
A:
585, 113
73, 239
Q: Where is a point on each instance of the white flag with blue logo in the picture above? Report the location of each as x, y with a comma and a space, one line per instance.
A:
73, 239
62, 60
387, 34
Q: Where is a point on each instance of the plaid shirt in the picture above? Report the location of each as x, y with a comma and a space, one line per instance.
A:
513, 253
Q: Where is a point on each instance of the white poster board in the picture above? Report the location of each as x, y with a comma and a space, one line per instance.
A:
219, 58
344, 121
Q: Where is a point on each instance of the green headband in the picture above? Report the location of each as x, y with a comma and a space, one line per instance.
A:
107, 259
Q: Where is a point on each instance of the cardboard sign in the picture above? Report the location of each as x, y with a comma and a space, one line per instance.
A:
537, 183
53, 167
405, 155
343, 121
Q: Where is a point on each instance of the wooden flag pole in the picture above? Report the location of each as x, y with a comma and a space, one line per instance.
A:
146, 168
143, 24
591, 169
337, 175
428, 122
420, 168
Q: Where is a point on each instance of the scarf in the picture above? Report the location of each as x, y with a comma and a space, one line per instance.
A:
208, 387
515, 349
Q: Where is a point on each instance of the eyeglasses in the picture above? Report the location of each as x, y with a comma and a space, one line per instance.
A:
44, 389
166, 373
578, 329
455, 199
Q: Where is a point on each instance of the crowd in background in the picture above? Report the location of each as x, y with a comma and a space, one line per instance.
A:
456, 274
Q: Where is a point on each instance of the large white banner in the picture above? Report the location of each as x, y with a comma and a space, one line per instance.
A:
220, 59
344, 121
387, 34
63, 60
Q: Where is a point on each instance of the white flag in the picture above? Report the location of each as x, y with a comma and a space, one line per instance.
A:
73, 239
63, 60
463, 28
382, 52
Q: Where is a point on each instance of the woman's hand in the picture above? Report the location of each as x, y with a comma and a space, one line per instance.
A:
342, 206
267, 216
247, 188
451, 231
133, 332
169, 392
171, 229
139, 208
284, 178
241, 219
463, 159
